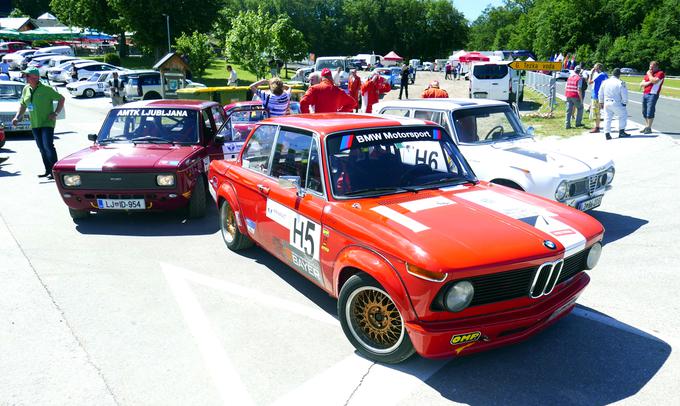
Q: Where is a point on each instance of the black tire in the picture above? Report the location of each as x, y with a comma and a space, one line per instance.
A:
2, 143
197, 201
78, 214
231, 235
152, 96
372, 322
89, 93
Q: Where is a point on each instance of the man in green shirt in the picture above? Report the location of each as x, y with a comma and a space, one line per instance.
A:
38, 100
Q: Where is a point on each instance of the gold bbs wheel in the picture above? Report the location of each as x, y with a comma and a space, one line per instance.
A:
228, 224
374, 319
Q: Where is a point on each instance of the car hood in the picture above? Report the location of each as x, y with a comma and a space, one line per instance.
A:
535, 157
465, 227
126, 157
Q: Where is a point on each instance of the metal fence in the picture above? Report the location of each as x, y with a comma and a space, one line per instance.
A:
543, 84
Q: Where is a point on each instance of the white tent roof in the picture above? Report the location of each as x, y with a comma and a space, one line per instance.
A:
47, 16
456, 55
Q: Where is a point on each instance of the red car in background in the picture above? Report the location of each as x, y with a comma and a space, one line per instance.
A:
148, 156
387, 216
11, 47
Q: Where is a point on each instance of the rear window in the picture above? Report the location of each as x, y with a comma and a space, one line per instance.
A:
490, 71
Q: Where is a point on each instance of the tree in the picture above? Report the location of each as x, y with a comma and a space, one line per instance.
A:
248, 41
288, 44
31, 8
93, 14
17, 13
197, 49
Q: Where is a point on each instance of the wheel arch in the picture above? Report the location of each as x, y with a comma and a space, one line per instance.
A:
227, 193
508, 183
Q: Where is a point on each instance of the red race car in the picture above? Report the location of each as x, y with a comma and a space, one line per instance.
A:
386, 215
148, 155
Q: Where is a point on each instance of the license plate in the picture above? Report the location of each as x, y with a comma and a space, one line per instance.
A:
479, 95
121, 204
590, 204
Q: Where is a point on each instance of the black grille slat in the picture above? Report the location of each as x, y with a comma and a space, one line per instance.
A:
117, 181
573, 265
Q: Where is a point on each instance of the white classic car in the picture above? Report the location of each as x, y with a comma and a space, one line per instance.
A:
94, 85
10, 94
500, 150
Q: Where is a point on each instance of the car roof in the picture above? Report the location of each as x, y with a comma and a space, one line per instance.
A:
328, 123
256, 103
175, 103
442, 104
12, 82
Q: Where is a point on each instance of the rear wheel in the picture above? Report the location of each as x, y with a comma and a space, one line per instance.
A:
197, 201
372, 322
89, 93
152, 96
232, 236
78, 214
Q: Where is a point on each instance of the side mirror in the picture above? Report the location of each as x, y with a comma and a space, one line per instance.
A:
530, 130
290, 182
92, 137
219, 140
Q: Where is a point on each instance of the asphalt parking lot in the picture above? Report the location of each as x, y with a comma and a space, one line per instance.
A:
153, 309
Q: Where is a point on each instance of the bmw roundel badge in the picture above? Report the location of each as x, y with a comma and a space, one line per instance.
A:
549, 244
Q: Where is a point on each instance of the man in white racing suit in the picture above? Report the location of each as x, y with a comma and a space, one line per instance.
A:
614, 96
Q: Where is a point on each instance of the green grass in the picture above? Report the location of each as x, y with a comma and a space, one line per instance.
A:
671, 87
129, 62
550, 124
216, 74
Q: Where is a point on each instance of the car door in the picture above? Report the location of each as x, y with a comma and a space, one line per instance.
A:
251, 179
292, 225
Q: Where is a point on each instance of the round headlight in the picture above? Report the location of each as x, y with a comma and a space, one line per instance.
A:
561, 191
72, 180
610, 175
459, 296
593, 255
165, 180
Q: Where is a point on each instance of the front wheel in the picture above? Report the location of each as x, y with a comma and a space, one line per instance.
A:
231, 235
197, 201
372, 322
89, 93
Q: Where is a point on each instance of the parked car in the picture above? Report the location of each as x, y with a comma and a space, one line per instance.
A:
502, 151
7, 48
496, 81
84, 69
429, 66
58, 70
16, 58
390, 75
59, 49
43, 63
563, 74
422, 257
94, 85
148, 156
28, 58
10, 96
147, 86
630, 71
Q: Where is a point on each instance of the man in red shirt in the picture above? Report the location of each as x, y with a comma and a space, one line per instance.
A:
371, 90
326, 97
434, 92
651, 83
354, 85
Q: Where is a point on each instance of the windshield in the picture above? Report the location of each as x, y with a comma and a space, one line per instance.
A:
150, 125
248, 116
331, 64
490, 71
486, 124
393, 160
94, 77
11, 91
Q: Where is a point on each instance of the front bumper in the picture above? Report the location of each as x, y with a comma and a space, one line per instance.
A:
154, 200
433, 339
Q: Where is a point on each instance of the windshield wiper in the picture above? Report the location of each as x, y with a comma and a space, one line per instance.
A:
113, 139
151, 139
456, 180
373, 190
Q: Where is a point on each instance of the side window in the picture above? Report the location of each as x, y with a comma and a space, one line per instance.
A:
218, 116
396, 112
226, 132
208, 129
291, 154
314, 182
435, 116
257, 151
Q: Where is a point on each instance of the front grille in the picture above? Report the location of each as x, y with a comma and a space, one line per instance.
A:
513, 284
587, 185
117, 181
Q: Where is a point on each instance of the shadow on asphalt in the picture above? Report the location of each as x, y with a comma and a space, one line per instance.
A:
148, 224
617, 226
578, 361
4, 173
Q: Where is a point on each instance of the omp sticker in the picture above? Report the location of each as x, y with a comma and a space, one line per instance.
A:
537, 217
399, 218
426, 204
466, 338
96, 160
250, 225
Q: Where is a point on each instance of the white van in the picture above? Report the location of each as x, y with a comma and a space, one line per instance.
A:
333, 63
370, 60
496, 81
61, 50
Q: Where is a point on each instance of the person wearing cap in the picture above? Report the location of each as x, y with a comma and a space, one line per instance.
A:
371, 91
614, 94
38, 100
574, 93
434, 92
326, 97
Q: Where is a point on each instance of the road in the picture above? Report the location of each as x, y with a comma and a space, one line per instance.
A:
152, 309
667, 118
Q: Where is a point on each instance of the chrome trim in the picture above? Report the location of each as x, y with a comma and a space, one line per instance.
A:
559, 264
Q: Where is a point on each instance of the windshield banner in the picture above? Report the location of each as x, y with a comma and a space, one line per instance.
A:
382, 136
151, 113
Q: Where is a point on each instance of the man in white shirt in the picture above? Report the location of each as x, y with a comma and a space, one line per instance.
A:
232, 78
614, 94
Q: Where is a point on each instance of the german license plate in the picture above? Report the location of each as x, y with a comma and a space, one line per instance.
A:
121, 204
590, 204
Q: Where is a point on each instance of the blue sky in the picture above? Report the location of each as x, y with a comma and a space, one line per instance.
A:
473, 8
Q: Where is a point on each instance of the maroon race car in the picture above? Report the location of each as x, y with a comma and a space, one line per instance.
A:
149, 155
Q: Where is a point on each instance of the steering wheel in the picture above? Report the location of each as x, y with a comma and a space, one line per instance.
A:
414, 171
493, 131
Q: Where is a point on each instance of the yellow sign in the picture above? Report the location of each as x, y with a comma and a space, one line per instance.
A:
535, 65
465, 338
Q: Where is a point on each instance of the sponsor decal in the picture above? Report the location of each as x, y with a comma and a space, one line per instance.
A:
324, 239
96, 160
206, 164
378, 137
231, 147
346, 142
250, 225
462, 347
400, 219
466, 337
306, 265
426, 204
151, 113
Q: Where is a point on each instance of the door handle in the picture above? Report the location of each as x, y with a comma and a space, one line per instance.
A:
263, 189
